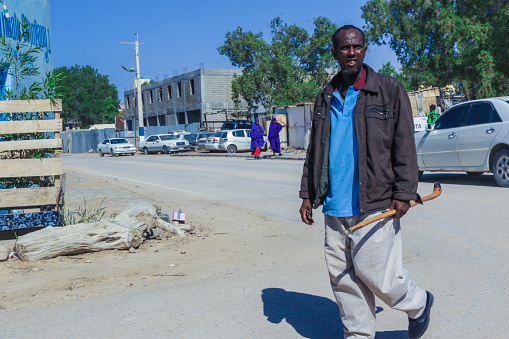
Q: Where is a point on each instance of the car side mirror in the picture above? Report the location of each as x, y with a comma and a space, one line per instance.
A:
430, 127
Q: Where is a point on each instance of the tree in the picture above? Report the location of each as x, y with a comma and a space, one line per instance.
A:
407, 81
88, 97
290, 69
446, 41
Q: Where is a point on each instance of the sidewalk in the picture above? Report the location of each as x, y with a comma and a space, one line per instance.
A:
264, 155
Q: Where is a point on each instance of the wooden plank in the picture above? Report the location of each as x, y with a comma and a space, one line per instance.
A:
21, 198
19, 145
31, 126
27, 220
22, 106
31, 167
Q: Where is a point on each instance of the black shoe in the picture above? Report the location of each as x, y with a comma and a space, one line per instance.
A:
417, 327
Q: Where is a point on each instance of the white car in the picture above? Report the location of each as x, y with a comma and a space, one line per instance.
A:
472, 137
115, 147
164, 143
232, 141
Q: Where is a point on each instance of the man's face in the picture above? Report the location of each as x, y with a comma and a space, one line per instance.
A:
351, 51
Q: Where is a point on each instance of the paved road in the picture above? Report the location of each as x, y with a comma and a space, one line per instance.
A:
273, 283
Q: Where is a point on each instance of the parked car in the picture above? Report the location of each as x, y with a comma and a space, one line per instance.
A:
232, 141
202, 138
115, 147
192, 139
212, 142
163, 143
472, 136
229, 125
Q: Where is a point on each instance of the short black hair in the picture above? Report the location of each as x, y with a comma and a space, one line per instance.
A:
432, 107
346, 28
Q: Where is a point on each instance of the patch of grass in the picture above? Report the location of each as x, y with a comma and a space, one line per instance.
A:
85, 214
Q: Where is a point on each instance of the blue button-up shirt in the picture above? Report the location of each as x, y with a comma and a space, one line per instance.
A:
343, 197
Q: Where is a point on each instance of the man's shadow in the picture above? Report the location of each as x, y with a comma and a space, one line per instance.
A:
311, 316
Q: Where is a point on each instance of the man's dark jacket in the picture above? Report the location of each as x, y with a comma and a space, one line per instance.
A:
385, 133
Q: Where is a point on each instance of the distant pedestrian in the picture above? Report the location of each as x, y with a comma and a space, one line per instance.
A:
257, 141
433, 114
274, 129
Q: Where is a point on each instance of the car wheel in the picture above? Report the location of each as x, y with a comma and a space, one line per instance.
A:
145, 150
231, 149
165, 150
501, 167
420, 175
475, 174
113, 154
101, 154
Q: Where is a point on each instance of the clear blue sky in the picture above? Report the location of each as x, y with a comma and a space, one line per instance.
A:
178, 34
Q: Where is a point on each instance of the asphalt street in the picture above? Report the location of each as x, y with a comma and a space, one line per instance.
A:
454, 246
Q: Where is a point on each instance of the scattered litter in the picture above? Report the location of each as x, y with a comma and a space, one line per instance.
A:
169, 275
172, 265
132, 250
13, 256
182, 252
179, 216
88, 261
200, 235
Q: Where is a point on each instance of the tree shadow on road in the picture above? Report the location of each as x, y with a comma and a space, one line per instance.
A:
311, 316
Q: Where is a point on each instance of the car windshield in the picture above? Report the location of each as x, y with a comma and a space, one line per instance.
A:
217, 134
118, 141
168, 137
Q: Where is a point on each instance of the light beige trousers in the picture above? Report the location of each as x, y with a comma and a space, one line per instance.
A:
366, 264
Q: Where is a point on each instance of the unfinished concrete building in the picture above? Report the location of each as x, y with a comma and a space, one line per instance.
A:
195, 97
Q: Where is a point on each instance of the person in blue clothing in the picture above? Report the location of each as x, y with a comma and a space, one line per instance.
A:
257, 141
361, 161
274, 129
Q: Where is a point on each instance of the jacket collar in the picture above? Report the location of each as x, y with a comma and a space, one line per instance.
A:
372, 81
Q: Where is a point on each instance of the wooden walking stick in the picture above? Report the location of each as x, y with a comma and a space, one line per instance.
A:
437, 190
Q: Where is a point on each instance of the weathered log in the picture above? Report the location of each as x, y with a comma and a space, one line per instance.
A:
123, 232
146, 208
103, 235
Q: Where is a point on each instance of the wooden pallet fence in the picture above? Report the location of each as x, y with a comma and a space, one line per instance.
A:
46, 199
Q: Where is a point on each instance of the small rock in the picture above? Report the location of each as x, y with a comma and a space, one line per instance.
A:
88, 261
4, 253
132, 250
172, 265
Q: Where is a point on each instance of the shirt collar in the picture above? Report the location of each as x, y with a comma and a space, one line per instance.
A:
360, 84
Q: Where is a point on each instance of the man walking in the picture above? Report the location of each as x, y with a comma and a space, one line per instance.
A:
361, 161
433, 114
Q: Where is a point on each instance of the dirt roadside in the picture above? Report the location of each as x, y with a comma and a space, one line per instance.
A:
212, 250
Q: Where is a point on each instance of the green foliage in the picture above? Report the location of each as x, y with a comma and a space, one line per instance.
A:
19, 59
407, 81
84, 214
446, 42
290, 69
88, 97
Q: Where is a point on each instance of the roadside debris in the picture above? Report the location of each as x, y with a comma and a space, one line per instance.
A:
127, 230
4, 253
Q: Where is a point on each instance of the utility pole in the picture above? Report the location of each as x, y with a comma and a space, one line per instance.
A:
141, 129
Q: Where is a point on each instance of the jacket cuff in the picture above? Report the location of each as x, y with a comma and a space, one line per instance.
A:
407, 196
303, 195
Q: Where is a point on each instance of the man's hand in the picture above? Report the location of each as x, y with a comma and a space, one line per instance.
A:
401, 207
306, 212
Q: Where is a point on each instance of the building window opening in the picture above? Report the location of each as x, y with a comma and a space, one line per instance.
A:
181, 118
192, 86
128, 105
179, 89
169, 92
159, 94
143, 99
150, 98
